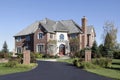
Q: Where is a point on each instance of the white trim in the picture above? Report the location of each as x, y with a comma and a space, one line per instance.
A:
17, 49
40, 44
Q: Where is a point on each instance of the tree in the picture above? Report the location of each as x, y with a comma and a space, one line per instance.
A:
108, 41
102, 50
5, 48
95, 50
109, 38
109, 35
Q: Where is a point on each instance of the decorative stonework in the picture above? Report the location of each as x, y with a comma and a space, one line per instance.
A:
87, 55
26, 57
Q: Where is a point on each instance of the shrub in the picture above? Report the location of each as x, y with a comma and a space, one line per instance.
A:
75, 62
33, 59
79, 54
116, 54
103, 62
38, 55
4, 55
18, 59
11, 64
82, 64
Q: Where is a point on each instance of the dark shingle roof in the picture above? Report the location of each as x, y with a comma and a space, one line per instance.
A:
71, 26
29, 30
52, 26
58, 26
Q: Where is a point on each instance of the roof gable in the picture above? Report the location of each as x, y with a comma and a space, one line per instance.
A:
58, 26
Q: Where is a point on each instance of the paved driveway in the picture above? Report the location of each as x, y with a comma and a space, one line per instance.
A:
54, 71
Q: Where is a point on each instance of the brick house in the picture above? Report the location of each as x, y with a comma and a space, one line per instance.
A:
55, 37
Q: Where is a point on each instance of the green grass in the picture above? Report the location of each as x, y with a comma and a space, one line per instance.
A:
113, 72
18, 68
106, 72
70, 61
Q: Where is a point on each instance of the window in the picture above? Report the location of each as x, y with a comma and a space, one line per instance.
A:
27, 38
51, 36
19, 50
18, 39
61, 37
40, 48
40, 36
73, 35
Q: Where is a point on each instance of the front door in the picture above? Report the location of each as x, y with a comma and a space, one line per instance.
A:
62, 49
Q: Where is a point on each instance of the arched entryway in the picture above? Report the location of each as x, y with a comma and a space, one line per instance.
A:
62, 49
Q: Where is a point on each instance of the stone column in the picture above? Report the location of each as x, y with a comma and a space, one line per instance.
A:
26, 57
87, 55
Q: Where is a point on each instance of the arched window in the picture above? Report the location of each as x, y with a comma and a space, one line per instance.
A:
61, 37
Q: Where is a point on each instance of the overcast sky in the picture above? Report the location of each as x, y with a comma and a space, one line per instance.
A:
16, 15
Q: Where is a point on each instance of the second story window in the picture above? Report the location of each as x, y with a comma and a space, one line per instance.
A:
27, 38
40, 36
51, 36
18, 39
61, 37
73, 36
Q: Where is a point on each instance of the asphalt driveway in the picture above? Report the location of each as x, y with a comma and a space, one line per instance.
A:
54, 71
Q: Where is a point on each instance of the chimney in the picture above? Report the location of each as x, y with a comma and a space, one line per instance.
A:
84, 29
84, 24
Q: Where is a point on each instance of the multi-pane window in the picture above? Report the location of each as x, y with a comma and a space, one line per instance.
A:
40, 36
18, 39
19, 50
40, 48
27, 38
61, 37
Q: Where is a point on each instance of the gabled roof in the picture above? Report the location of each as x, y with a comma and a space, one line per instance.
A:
52, 26
47, 24
58, 26
89, 29
71, 26
29, 30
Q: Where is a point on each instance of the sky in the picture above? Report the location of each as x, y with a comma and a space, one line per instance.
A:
16, 15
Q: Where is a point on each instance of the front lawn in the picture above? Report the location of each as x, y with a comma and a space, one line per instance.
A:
19, 68
113, 72
70, 61
106, 72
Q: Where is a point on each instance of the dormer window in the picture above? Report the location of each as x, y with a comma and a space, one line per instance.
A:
18, 39
40, 36
61, 37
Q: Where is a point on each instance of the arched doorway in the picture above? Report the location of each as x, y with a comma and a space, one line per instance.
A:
62, 49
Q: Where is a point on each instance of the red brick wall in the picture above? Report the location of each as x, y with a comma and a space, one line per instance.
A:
23, 42
38, 41
26, 57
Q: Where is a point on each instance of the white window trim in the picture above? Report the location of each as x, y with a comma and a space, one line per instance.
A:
38, 35
37, 47
18, 47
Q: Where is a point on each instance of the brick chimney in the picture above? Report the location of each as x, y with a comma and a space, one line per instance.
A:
84, 28
84, 24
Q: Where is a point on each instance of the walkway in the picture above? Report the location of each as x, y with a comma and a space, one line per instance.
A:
54, 71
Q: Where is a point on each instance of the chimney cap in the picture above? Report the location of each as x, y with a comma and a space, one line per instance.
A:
84, 16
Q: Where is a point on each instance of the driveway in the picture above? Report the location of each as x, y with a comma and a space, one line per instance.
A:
54, 71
